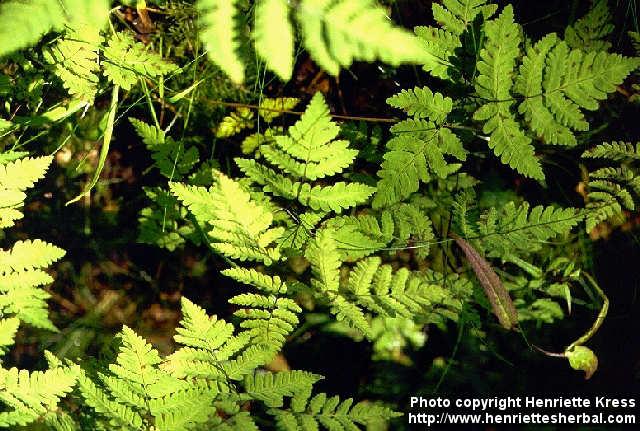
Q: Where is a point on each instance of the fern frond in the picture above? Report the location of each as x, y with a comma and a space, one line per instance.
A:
15, 177
241, 228
558, 83
271, 388
172, 158
273, 36
336, 33
493, 84
589, 33
616, 151
218, 32
268, 319
75, 58
235, 122
272, 108
512, 229
28, 255
308, 152
264, 282
455, 17
126, 61
330, 413
30, 396
417, 152
421, 102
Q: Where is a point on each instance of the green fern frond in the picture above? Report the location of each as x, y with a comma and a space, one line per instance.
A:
455, 17
172, 158
241, 229
616, 151
271, 388
272, 108
273, 36
421, 102
336, 33
362, 235
76, 61
611, 190
331, 414
493, 84
308, 152
558, 83
126, 61
264, 282
15, 177
30, 396
217, 20
590, 32
28, 255
417, 151
235, 122
267, 319
512, 229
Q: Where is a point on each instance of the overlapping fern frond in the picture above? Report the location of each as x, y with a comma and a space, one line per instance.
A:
376, 289
613, 189
308, 152
455, 18
558, 83
417, 151
239, 227
330, 413
30, 397
590, 32
335, 33
25, 22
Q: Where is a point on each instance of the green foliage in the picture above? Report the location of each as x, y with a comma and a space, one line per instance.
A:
33, 396
611, 190
417, 151
590, 31
308, 152
336, 33
238, 227
27, 21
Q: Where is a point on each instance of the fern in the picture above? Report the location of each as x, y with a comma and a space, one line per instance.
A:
308, 152
558, 82
374, 288
354, 30
29, 397
455, 18
417, 151
611, 190
126, 61
241, 229
330, 413
15, 177
496, 69
590, 32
